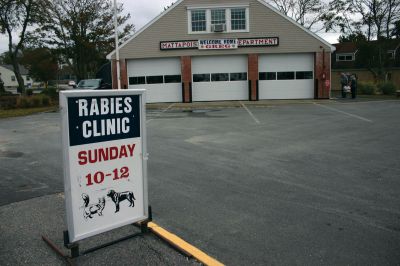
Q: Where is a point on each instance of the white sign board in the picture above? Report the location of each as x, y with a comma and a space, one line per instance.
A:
220, 43
217, 44
104, 152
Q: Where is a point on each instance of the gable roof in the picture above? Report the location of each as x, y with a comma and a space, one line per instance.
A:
176, 4
333, 48
163, 13
352, 47
346, 47
22, 69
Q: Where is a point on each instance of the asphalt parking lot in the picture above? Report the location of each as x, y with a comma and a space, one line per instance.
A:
306, 183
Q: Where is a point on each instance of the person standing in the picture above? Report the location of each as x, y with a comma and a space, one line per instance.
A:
353, 85
2, 90
344, 81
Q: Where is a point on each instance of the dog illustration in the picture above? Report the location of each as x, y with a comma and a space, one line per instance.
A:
117, 197
91, 209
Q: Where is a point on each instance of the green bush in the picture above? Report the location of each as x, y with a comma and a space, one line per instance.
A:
29, 92
8, 101
36, 101
51, 92
4, 92
45, 100
23, 102
366, 88
387, 88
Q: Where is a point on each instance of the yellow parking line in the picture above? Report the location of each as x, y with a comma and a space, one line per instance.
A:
182, 244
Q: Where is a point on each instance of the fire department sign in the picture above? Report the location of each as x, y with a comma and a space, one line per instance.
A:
219, 43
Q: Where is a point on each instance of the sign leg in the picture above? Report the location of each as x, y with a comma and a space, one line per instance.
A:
74, 247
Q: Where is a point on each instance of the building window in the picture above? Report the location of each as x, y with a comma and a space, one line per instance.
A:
267, 76
285, 75
137, 80
219, 77
345, 57
201, 77
154, 79
304, 75
234, 18
238, 19
12, 78
199, 21
238, 76
172, 78
391, 54
218, 16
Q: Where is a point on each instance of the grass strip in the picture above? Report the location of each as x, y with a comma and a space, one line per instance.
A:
26, 111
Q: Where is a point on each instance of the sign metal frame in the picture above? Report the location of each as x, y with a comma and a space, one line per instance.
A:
64, 96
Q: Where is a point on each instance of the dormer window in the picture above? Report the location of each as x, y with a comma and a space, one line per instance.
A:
238, 19
218, 19
217, 16
345, 57
199, 22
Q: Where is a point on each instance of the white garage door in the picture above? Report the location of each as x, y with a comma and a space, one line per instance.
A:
161, 77
286, 76
218, 78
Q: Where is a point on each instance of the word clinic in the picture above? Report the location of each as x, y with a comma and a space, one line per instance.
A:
105, 127
105, 107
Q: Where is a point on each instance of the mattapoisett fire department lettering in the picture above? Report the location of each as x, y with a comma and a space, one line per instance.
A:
104, 107
105, 154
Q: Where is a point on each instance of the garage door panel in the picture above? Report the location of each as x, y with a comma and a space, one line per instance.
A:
286, 76
220, 91
286, 62
219, 64
154, 66
165, 73
286, 89
214, 89
157, 93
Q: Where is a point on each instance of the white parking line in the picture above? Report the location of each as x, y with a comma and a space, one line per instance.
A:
250, 113
159, 114
342, 112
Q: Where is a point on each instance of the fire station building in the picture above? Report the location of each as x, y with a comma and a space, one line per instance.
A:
215, 50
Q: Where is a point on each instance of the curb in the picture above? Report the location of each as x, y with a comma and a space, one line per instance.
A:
183, 245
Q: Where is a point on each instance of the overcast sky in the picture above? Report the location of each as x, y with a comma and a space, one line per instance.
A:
142, 11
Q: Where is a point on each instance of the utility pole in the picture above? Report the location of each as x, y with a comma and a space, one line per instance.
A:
117, 46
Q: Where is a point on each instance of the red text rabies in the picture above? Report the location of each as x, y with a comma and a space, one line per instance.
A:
105, 154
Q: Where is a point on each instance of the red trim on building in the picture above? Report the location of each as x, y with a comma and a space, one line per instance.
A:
186, 69
252, 72
123, 74
322, 65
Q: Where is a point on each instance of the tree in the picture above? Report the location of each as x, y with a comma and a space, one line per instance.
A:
5, 58
307, 13
373, 56
374, 18
41, 63
396, 30
393, 15
357, 37
83, 32
16, 16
